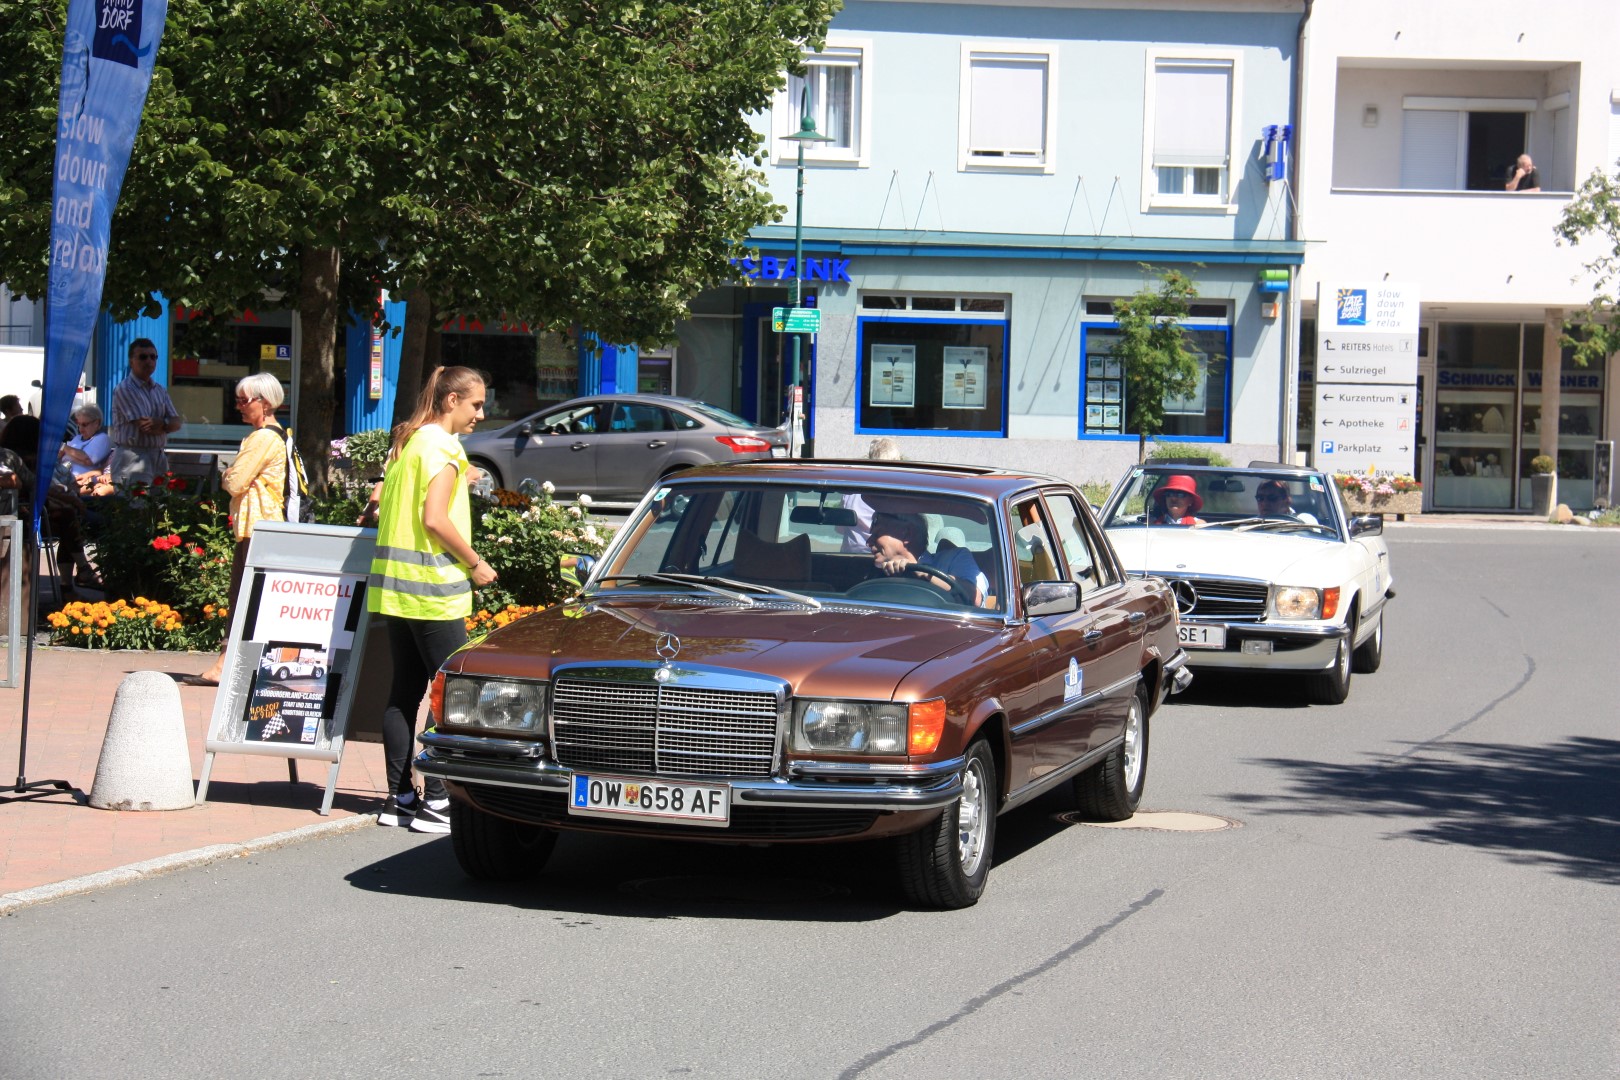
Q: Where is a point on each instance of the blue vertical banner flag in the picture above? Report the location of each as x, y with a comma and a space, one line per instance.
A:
107, 57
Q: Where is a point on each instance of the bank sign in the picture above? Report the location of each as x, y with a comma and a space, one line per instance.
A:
774, 268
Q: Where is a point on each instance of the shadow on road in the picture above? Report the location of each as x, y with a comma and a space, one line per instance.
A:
1245, 690
1552, 806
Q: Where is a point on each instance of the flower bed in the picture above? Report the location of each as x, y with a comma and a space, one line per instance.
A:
1380, 494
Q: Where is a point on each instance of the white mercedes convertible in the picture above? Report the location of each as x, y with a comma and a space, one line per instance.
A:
1269, 571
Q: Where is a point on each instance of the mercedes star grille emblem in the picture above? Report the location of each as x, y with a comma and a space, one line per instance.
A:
1186, 595
669, 646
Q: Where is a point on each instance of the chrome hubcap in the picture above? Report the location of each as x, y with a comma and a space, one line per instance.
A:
971, 819
1133, 745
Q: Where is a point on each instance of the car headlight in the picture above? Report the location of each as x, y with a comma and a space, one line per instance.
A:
494, 704
1298, 602
853, 727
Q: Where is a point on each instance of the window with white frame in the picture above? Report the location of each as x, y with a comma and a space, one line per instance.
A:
836, 79
1192, 118
1008, 112
1462, 144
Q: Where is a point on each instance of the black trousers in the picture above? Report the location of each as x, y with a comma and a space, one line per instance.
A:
418, 646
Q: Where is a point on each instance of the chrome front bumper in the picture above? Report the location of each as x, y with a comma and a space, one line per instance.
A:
1294, 648
464, 759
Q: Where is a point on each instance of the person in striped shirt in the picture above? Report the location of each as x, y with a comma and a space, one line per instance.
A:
142, 419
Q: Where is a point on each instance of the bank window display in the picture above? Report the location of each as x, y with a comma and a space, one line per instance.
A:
526, 371
206, 359
931, 370
1203, 413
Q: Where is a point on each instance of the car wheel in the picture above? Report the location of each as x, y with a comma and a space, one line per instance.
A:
318, 673
947, 863
1369, 656
487, 466
282, 673
1111, 790
492, 848
1332, 686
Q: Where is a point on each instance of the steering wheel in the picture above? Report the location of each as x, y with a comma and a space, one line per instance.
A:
961, 590
899, 590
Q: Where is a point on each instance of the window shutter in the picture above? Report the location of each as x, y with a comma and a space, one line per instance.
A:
1429, 149
1192, 112
1614, 132
1009, 108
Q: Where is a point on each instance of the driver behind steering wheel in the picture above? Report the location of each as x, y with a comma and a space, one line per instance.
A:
899, 545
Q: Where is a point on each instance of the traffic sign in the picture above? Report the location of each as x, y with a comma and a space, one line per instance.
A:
796, 320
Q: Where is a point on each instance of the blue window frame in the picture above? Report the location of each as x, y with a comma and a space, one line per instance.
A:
1205, 414
944, 376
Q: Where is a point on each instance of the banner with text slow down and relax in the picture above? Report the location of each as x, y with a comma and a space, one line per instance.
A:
107, 57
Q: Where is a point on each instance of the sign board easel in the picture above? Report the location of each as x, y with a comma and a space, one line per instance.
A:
293, 657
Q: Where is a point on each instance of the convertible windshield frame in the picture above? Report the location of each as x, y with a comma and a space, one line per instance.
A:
1227, 503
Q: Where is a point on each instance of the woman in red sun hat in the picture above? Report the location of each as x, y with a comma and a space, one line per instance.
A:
1176, 501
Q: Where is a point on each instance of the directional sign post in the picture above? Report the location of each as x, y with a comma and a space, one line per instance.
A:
796, 320
1366, 378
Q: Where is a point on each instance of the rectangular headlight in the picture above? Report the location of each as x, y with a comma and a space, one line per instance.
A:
500, 705
850, 727
1295, 602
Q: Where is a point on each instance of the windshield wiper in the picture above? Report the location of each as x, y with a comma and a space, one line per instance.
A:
720, 586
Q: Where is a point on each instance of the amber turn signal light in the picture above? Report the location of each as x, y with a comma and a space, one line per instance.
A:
1330, 603
436, 697
925, 722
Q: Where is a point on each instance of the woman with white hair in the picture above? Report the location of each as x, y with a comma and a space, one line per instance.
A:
256, 480
90, 449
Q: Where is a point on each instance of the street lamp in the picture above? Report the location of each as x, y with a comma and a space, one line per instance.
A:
807, 133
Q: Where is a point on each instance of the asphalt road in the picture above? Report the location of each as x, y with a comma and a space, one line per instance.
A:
1423, 883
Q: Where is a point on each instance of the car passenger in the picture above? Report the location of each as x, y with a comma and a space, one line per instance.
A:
1272, 499
1176, 501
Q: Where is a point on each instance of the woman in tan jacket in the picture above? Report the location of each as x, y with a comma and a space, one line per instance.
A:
256, 480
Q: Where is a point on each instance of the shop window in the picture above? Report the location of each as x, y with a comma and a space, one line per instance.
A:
1191, 118
836, 79
207, 359
1007, 113
926, 372
527, 371
1201, 414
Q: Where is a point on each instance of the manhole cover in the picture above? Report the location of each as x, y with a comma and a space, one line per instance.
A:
1162, 821
732, 890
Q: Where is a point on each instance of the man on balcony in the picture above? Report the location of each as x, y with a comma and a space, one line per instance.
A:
1525, 177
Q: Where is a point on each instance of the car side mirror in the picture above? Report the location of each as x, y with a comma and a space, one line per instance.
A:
1051, 598
1368, 525
526, 428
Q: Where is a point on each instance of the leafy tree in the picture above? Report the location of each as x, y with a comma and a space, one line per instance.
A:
1153, 351
551, 161
1595, 214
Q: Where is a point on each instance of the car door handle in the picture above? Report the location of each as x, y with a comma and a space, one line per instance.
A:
1136, 617
1091, 636
656, 443
580, 446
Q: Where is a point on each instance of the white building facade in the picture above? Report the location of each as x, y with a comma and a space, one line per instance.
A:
1413, 115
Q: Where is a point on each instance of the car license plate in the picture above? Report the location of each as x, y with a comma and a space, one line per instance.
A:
1196, 636
779, 451
615, 796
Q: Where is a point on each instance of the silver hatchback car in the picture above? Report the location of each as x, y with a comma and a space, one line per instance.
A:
616, 446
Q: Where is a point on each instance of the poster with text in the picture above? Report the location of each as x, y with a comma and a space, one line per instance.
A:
963, 386
893, 376
305, 623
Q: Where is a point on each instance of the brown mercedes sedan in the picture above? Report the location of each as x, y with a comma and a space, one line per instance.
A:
812, 651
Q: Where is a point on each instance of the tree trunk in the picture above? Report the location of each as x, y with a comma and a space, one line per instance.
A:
318, 321
418, 318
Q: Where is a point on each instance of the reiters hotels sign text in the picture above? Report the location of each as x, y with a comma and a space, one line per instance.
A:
1366, 378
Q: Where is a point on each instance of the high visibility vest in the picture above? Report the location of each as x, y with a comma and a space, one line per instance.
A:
412, 576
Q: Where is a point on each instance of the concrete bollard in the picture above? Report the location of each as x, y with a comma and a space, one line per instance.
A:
145, 763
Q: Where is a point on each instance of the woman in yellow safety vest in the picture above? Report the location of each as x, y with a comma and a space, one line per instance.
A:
424, 573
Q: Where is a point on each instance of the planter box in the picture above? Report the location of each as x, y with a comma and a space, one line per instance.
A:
1402, 503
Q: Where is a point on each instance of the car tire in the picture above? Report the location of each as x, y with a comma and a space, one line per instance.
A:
318, 673
282, 673
946, 864
1332, 686
491, 848
487, 466
1111, 790
1369, 655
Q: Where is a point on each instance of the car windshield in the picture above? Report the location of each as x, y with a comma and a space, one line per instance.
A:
750, 542
1242, 500
716, 413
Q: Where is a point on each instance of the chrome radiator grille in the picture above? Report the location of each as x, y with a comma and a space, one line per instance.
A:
1233, 601
649, 729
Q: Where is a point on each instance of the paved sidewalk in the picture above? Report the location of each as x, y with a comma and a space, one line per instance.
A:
50, 838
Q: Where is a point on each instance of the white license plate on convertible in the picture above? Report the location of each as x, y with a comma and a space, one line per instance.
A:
1195, 636
617, 796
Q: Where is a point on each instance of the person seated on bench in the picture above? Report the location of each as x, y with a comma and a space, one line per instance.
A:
900, 542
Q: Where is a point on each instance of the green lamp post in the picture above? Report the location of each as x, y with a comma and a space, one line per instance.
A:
807, 133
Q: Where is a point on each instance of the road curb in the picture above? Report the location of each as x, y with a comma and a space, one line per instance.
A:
184, 860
